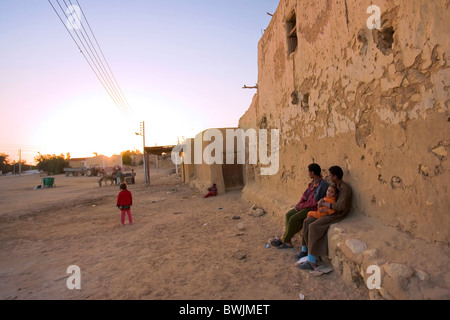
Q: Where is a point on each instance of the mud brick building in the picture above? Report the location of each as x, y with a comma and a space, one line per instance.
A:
375, 102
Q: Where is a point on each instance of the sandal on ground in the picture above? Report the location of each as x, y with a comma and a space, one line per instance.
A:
276, 242
300, 255
285, 246
306, 266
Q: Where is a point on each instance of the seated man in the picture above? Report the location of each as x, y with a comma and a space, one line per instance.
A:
294, 218
315, 240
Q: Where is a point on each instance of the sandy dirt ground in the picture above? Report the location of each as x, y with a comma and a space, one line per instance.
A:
180, 247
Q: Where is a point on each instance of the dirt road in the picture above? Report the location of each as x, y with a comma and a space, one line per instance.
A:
181, 246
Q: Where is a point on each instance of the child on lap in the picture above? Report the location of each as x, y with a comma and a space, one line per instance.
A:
326, 209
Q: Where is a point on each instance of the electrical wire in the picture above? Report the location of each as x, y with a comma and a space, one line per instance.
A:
94, 64
110, 90
101, 51
81, 51
96, 55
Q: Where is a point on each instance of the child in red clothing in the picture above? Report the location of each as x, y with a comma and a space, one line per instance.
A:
124, 203
212, 191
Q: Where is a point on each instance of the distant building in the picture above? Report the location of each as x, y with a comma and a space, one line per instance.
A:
105, 162
373, 101
77, 162
226, 176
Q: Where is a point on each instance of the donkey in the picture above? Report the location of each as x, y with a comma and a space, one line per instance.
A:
105, 177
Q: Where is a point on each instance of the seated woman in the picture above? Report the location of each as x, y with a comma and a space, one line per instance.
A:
294, 218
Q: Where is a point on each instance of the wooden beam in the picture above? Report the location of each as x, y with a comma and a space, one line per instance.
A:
246, 87
293, 32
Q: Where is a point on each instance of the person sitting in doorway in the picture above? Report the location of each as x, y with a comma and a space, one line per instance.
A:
212, 191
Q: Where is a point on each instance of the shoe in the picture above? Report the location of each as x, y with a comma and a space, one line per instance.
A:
307, 266
276, 242
300, 255
285, 246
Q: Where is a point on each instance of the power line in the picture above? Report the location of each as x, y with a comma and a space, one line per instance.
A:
110, 90
105, 72
81, 51
106, 61
20, 145
108, 85
92, 59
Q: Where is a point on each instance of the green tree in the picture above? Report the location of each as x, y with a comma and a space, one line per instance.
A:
128, 157
52, 164
5, 166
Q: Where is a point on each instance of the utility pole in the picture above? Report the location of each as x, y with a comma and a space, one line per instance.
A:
142, 133
146, 166
20, 161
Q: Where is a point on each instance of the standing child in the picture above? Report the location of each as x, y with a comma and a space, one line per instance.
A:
124, 203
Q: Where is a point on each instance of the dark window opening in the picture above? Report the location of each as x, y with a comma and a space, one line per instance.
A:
384, 39
305, 102
291, 28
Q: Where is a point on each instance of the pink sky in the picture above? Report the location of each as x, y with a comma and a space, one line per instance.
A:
180, 64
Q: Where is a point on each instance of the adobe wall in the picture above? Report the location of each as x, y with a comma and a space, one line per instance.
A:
202, 175
76, 163
348, 97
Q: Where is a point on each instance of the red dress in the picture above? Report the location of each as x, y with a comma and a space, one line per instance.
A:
124, 202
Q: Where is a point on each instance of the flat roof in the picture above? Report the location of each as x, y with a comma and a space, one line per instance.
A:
159, 150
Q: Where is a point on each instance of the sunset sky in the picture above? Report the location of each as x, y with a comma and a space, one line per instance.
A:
181, 65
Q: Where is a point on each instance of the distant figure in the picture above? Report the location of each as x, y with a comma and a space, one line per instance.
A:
114, 174
124, 203
328, 200
119, 179
212, 191
133, 174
